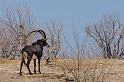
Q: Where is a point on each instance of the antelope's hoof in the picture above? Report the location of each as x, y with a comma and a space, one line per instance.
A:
39, 72
30, 73
20, 74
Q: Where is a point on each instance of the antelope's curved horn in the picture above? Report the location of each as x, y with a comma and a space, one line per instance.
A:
39, 31
42, 33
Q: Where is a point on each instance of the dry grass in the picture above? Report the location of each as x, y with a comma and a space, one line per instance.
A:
90, 70
61, 70
7, 61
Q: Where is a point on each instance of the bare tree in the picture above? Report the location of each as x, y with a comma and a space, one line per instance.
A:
107, 35
15, 24
78, 68
55, 37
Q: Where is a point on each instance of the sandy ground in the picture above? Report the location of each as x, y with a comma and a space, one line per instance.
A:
9, 72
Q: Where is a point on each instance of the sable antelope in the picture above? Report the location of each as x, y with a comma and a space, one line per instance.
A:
33, 52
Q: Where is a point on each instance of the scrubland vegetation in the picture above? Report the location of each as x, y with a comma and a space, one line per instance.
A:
95, 58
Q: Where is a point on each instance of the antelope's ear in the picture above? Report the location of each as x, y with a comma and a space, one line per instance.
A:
39, 41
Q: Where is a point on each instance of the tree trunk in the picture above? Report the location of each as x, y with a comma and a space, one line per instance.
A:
108, 49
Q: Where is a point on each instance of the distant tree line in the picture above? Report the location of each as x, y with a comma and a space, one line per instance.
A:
16, 23
108, 35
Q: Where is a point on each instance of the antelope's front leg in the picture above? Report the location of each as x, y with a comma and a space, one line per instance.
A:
35, 66
28, 62
39, 65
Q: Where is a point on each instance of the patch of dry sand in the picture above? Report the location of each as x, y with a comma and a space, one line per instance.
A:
9, 71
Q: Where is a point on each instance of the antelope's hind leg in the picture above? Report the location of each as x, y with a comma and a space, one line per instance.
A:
28, 62
22, 62
21, 67
29, 57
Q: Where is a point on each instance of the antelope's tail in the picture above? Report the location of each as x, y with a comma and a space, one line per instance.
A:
24, 57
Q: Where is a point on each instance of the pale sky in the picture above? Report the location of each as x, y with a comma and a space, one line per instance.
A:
70, 12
